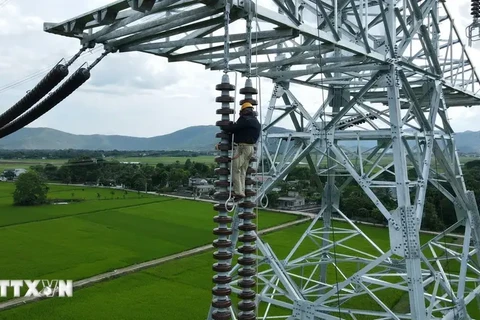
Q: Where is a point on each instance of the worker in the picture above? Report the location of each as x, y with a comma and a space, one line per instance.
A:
246, 131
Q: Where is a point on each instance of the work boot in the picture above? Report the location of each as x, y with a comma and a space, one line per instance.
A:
237, 197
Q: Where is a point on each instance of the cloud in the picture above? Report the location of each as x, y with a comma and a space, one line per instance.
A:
128, 93
134, 71
131, 93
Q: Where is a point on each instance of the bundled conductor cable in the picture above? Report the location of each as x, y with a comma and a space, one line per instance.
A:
52, 79
67, 88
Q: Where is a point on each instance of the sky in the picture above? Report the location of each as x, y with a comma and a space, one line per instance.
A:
129, 93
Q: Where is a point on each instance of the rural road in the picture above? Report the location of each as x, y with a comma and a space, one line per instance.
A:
136, 267
149, 264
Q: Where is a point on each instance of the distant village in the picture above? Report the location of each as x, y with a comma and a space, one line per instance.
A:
293, 200
300, 190
11, 174
187, 178
201, 188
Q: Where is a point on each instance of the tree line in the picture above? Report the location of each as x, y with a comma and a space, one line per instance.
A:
141, 177
78, 153
439, 212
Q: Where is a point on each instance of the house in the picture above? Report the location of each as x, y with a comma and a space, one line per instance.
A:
196, 182
19, 171
204, 189
262, 178
12, 174
291, 201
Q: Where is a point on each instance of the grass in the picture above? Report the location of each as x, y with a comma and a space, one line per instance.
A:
26, 163
179, 289
11, 215
166, 160
386, 160
79, 240
83, 239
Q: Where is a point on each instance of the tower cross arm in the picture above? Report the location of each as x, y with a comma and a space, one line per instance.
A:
311, 32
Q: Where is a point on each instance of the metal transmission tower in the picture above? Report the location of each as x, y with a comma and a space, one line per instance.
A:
387, 72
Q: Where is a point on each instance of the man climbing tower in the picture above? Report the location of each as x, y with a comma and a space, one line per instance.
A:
246, 131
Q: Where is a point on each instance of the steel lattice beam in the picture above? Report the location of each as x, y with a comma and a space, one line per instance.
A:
388, 72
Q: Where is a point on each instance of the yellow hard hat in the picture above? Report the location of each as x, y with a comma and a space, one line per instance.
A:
246, 105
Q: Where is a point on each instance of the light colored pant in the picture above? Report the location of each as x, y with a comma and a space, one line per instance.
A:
242, 156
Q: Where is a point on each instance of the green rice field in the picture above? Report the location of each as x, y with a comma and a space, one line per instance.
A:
79, 240
26, 163
180, 289
100, 234
167, 160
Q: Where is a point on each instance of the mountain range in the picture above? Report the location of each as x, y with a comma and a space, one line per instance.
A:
196, 138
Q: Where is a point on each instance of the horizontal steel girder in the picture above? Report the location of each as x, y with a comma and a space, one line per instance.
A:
289, 46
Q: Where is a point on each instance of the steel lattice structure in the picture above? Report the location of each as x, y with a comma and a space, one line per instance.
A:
388, 71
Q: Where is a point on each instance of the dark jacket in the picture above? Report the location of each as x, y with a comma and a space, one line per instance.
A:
245, 130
